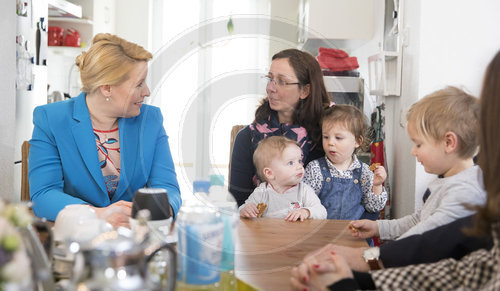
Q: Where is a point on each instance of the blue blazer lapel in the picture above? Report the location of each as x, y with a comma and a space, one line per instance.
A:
129, 152
85, 140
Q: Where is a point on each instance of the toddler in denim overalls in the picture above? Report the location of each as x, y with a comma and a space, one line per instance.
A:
346, 187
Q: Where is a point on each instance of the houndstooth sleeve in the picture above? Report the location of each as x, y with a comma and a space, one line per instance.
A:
478, 270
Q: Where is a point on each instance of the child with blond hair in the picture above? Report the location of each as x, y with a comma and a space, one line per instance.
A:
278, 161
346, 186
443, 127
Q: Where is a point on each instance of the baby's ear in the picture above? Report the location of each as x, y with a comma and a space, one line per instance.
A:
268, 173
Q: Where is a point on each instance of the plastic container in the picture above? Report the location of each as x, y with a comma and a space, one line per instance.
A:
72, 38
55, 36
200, 234
225, 203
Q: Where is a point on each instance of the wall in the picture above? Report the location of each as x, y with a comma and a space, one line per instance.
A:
133, 19
8, 100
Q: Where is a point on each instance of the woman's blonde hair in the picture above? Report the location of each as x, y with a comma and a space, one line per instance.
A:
448, 109
108, 61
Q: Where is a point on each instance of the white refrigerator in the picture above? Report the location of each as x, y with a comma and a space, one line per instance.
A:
31, 73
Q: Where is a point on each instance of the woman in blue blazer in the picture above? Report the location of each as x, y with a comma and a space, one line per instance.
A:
103, 145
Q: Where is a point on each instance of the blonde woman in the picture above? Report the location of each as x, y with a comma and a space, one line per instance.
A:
101, 146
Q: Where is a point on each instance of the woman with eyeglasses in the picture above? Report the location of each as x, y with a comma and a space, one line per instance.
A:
296, 96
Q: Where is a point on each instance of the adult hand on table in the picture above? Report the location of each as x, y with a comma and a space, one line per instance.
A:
353, 256
321, 272
117, 214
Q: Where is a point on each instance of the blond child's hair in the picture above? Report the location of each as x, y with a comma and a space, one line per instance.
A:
267, 150
448, 109
351, 118
108, 61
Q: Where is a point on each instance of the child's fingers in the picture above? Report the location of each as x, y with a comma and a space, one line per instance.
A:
293, 216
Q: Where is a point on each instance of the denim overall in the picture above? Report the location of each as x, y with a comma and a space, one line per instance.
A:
341, 196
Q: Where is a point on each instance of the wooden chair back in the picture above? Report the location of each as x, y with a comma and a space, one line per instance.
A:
234, 131
25, 185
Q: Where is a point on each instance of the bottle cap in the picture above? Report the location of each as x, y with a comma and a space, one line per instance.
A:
216, 180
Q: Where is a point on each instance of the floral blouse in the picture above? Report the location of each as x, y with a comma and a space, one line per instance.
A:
108, 151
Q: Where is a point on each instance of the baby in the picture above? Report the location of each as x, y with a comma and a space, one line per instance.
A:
278, 161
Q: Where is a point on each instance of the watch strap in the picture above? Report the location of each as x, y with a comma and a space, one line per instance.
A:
373, 264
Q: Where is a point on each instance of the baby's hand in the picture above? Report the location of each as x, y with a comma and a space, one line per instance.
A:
379, 175
297, 214
250, 211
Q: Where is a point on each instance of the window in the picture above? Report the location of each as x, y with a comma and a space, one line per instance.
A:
206, 79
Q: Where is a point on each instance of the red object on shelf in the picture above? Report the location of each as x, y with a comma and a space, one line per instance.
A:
55, 36
72, 38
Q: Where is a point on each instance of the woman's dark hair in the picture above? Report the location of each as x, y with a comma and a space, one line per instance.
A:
309, 110
489, 154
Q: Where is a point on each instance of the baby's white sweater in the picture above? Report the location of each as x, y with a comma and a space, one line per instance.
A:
279, 205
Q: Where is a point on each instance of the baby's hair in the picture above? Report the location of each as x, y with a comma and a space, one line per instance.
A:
448, 109
352, 119
269, 149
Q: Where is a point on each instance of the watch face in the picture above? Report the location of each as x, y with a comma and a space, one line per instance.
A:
371, 253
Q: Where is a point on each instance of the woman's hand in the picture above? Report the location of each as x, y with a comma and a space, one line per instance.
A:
298, 214
249, 211
321, 272
117, 214
364, 228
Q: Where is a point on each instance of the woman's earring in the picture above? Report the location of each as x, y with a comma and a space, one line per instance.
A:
107, 98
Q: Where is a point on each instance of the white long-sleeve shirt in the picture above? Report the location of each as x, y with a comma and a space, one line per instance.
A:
444, 205
279, 205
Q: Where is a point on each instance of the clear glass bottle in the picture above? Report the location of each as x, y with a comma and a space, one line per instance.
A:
225, 203
200, 234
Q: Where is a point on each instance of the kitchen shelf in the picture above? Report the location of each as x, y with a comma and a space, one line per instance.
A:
83, 26
343, 84
346, 90
384, 71
66, 51
70, 20
64, 8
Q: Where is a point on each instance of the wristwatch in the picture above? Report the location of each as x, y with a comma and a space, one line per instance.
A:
371, 256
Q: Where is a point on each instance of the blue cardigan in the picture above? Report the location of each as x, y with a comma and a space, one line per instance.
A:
64, 166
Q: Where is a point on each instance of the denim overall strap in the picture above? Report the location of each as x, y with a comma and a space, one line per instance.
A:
327, 185
351, 204
341, 196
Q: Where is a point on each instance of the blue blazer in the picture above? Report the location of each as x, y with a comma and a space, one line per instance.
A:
64, 166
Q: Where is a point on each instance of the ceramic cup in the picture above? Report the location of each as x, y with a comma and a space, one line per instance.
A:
78, 222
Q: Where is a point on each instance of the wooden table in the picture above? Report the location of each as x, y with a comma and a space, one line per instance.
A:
269, 248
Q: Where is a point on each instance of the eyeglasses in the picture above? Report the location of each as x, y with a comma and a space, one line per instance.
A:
278, 82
